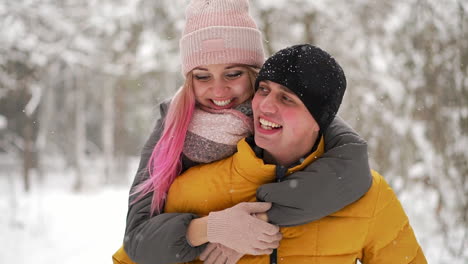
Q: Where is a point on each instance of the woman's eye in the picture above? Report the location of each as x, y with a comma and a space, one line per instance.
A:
234, 74
202, 77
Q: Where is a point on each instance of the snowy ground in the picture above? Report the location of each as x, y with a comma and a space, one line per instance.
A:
54, 225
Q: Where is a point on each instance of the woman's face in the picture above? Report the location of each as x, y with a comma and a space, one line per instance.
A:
221, 86
283, 125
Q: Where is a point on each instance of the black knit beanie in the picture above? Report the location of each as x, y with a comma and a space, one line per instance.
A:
313, 75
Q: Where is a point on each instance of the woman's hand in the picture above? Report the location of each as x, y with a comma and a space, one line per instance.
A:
219, 254
262, 216
237, 228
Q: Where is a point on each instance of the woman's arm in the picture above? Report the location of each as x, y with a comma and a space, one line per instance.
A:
159, 238
197, 233
338, 178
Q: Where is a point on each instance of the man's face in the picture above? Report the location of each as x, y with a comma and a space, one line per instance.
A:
283, 125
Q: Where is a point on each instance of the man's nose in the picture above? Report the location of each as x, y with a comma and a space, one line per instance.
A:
268, 104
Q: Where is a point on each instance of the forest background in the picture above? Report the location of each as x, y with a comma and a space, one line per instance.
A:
80, 82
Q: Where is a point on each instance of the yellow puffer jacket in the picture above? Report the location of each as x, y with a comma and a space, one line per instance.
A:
374, 229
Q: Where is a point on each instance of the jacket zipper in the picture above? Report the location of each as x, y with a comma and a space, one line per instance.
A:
280, 173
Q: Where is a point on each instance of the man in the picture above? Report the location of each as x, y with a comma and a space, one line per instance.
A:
299, 91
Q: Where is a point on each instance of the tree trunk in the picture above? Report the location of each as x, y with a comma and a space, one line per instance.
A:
80, 133
108, 126
27, 155
267, 31
46, 113
309, 22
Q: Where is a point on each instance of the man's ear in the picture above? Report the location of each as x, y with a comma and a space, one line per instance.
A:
316, 128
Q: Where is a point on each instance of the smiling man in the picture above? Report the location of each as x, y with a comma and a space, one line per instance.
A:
298, 93
282, 121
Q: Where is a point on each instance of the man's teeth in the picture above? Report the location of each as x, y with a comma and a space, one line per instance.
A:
222, 103
265, 124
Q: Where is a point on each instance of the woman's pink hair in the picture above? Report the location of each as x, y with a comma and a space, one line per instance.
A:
165, 163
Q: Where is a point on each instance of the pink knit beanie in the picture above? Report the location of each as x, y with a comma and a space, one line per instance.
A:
219, 32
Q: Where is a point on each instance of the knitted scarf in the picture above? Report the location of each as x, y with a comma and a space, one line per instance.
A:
213, 134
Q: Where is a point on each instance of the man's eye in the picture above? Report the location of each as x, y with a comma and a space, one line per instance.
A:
287, 99
262, 89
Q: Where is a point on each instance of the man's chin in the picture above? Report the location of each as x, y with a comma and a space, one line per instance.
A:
263, 141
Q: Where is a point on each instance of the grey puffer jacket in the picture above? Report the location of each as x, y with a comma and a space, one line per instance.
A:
344, 169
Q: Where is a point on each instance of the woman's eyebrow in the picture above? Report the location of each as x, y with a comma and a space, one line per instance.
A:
232, 66
200, 68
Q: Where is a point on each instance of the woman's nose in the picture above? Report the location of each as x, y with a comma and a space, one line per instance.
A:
220, 88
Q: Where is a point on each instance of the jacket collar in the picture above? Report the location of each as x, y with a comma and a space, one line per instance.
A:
251, 166
318, 149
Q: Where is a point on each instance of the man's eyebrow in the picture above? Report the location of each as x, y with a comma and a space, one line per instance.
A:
286, 89
282, 87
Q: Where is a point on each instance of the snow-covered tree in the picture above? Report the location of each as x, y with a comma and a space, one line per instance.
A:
80, 81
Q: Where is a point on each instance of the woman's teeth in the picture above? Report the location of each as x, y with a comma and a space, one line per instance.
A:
265, 124
222, 103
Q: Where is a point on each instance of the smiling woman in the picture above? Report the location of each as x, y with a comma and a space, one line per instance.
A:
223, 86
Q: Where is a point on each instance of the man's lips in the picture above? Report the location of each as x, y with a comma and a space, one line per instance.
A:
267, 127
268, 124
